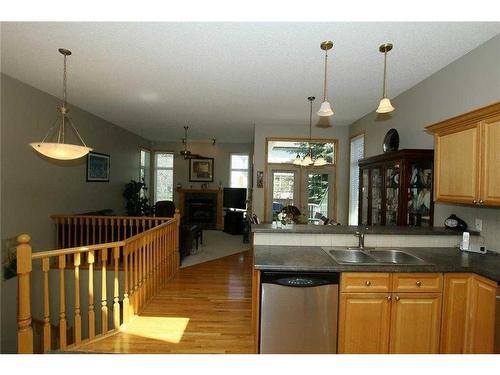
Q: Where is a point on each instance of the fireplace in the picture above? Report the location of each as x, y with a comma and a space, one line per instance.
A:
202, 207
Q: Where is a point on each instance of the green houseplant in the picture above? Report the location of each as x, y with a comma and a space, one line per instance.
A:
137, 202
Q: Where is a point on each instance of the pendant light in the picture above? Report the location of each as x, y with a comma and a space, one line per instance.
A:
185, 153
325, 108
60, 150
385, 105
308, 160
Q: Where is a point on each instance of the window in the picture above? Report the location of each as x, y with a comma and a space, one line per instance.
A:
285, 152
144, 174
239, 170
164, 176
357, 153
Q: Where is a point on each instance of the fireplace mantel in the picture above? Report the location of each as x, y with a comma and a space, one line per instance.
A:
181, 193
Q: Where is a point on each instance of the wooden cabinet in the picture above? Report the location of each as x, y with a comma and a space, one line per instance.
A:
415, 323
401, 314
467, 158
468, 314
396, 188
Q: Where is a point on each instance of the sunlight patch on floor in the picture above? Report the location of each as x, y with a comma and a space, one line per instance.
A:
159, 328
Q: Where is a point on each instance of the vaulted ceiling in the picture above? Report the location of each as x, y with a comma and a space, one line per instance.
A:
221, 78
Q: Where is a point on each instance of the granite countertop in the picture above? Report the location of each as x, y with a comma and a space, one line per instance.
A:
438, 259
351, 229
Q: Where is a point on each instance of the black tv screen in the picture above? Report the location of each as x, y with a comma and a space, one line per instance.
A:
235, 198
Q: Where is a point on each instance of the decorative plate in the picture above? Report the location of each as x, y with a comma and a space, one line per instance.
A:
391, 141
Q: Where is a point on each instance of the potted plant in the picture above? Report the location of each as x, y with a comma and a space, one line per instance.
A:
137, 202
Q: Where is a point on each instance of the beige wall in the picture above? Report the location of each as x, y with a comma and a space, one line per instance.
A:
220, 152
470, 82
34, 187
263, 131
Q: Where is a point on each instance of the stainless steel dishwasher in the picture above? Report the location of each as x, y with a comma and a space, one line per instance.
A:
299, 312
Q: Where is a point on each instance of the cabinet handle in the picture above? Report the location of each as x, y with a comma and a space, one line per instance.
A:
480, 201
368, 283
389, 298
419, 284
397, 298
474, 201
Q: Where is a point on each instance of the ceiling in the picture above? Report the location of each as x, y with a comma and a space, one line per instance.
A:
221, 78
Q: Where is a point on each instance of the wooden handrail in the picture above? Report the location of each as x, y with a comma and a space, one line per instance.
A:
149, 257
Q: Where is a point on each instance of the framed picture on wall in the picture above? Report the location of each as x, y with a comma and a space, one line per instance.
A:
201, 169
97, 167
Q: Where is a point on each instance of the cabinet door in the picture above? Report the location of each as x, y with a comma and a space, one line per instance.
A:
364, 322
490, 177
480, 333
455, 305
457, 166
415, 323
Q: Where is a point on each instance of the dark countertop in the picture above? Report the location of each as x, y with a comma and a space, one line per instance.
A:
439, 259
351, 229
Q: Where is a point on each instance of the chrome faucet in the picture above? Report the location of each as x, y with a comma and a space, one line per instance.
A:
361, 238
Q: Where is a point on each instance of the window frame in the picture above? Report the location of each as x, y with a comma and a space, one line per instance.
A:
351, 139
231, 169
156, 168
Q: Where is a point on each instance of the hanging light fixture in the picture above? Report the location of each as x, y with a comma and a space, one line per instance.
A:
185, 153
308, 159
385, 105
61, 150
325, 108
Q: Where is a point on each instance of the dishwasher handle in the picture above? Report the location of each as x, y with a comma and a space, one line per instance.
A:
300, 280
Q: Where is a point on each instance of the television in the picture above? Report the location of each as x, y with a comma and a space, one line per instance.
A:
235, 198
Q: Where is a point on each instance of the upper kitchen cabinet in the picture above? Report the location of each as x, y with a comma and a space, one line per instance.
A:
396, 188
467, 158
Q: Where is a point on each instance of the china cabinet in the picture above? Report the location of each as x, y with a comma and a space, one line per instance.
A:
396, 188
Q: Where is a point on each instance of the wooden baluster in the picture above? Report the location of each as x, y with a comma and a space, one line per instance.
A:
112, 223
104, 302
106, 224
62, 303
87, 231
136, 277
141, 274
77, 329
133, 271
74, 222
68, 219
124, 232
116, 305
91, 312
137, 223
126, 302
129, 225
46, 306
99, 223
81, 220
63, 235
93, 231
58, 232
24, 267
144, 225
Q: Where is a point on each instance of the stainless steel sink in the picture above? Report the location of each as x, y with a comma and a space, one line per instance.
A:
351, 256
395, 257
343, 255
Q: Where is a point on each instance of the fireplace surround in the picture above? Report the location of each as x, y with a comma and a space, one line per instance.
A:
202, 207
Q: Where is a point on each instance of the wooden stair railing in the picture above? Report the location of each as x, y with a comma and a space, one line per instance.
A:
149, 259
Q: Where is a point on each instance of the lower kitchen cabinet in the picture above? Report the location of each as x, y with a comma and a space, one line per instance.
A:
415, 323
364, 321
468, 314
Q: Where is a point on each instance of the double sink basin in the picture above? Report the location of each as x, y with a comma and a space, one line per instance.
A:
346, 255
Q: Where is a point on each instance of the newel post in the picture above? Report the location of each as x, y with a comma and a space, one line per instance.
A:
177, 255
24, 267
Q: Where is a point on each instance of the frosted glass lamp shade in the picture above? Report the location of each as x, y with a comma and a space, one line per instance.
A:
385, 106
325, 109
320, 161
61, 151
307, 160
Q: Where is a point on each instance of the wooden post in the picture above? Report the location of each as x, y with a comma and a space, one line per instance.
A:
91, 312
126, 302
77, 329
104, 303
116, 297
62, 303
46, 306
24, 267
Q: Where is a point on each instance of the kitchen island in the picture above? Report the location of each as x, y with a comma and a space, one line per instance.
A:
443, 304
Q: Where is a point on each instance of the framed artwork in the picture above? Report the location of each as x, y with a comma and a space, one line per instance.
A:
201, 169
97, 167
260, 179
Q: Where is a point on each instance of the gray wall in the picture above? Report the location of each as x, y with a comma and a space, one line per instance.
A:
468, 83
220, 152
263, 131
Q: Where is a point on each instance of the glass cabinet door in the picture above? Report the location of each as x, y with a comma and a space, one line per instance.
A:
364, 196
419, 194
376, 201
392, 180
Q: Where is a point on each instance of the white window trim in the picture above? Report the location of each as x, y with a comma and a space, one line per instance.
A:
156, 168
351, 140
231, 169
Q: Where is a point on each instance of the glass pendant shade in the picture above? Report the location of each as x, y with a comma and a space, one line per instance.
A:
320, 161
61, 151
385, 106
325, 109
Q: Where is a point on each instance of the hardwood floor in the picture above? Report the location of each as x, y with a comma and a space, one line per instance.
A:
206, 308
